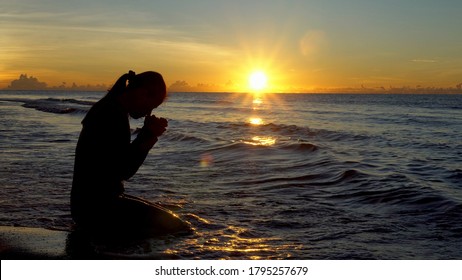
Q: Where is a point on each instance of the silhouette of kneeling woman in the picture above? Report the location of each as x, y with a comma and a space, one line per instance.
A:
106, 156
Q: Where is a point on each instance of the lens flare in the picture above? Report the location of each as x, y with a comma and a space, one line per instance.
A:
206, 160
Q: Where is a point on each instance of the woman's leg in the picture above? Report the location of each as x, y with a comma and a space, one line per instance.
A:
140, 215
136, 198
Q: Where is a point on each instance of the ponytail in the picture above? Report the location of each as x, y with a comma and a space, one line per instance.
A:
121, 84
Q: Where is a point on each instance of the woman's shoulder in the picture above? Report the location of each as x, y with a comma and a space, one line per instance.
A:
105, 110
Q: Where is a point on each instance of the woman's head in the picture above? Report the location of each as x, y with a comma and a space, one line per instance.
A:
143, 93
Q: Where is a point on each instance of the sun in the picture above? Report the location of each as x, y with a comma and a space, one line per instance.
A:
257, 80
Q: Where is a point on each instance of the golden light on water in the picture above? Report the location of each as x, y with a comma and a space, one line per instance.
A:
234, 242
263, 140
257, 101
256, 121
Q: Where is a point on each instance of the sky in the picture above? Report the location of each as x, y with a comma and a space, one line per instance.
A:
299, 45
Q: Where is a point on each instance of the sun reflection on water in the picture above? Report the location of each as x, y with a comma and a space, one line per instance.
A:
261, 141
257, 101
256, 121
233, 243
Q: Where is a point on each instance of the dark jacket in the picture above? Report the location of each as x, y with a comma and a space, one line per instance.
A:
105, 156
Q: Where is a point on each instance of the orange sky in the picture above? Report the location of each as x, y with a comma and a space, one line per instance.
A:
300, 45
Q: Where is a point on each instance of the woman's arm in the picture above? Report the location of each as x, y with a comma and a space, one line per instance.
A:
140, 147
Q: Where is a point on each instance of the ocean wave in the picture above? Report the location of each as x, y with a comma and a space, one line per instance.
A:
59, 106
456, 175
184, 137
301, 147
70, 100
405, 198
314, 180
55, 110
324, 134
285, 180
297, 132
238, 146
289, 137
246, 145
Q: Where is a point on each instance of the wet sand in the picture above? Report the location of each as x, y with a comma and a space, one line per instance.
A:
32, 243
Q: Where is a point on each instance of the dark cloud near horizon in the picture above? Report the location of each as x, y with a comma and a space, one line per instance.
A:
26, 83
32, 83
183, 86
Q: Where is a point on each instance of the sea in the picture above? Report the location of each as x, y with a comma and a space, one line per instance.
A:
260, 175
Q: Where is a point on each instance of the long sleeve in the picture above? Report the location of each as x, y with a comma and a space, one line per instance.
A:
136, 154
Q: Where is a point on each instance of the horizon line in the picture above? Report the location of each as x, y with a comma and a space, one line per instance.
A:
403, 90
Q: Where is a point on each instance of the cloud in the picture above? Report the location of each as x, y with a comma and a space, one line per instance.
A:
179, 86
27, 83
183, 86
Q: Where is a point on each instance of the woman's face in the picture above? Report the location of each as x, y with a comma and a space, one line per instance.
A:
140, 102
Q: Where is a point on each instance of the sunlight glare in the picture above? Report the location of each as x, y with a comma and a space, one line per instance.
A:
256, 121
261, 141
264, 140
257, 80
257, 101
